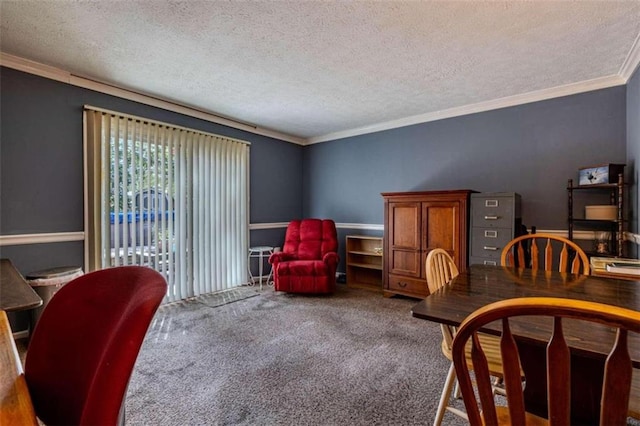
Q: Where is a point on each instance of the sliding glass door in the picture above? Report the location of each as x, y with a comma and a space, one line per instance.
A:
170, 198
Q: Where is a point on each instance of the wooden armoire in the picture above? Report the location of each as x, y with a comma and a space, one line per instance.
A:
414, 224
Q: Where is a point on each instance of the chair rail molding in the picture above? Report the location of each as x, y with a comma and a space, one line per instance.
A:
578, 235
362, 226
62, 237
272, 225
41, 238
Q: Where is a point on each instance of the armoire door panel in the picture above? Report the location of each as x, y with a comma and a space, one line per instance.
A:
442, 224
405, 225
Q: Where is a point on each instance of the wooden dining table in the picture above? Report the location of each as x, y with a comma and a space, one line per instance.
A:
480, 285
15, 293
16, 407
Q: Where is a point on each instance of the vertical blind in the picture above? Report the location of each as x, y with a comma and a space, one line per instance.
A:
167, 197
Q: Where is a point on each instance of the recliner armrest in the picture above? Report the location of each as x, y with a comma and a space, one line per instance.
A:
280, 257
331, 258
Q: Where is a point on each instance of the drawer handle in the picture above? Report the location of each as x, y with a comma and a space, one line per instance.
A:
491, 234
490, 248
490, 262
491, 217
491, 203
401, 284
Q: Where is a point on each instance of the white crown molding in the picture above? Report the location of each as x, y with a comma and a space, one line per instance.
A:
43, 238
626, 71
632, 61
36, 68
509, 101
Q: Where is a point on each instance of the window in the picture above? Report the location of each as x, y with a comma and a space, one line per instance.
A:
167, 197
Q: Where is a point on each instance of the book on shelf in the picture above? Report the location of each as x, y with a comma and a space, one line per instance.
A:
630, 268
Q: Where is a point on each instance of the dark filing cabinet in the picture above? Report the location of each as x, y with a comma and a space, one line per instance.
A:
495, 220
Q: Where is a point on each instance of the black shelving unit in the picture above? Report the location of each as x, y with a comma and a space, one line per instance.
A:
615, 227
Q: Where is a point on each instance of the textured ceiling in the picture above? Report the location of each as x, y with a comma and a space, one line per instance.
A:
313, 68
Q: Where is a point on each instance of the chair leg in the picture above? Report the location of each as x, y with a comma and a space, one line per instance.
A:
446, 394
121, 415
498, 387
456, 393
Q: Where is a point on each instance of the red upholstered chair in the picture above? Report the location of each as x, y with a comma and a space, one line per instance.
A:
308, 260
85, 344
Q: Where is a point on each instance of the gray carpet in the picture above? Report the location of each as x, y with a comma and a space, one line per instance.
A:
250, 357
353, 358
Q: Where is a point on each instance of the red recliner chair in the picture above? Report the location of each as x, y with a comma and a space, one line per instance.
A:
309, 258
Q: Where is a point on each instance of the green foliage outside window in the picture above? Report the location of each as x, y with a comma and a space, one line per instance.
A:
140, 167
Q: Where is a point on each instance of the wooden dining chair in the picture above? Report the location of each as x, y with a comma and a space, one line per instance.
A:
618, 367
523, 252
441, 269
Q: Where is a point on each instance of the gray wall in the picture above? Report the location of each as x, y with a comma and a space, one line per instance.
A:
41, 173
530, 149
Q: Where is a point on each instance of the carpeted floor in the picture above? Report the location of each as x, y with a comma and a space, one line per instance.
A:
353, 358
250, 357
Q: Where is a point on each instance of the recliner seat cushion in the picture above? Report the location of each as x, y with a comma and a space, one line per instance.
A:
303, 268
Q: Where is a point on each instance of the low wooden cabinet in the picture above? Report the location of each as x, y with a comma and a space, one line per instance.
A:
364, 262
415, 223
